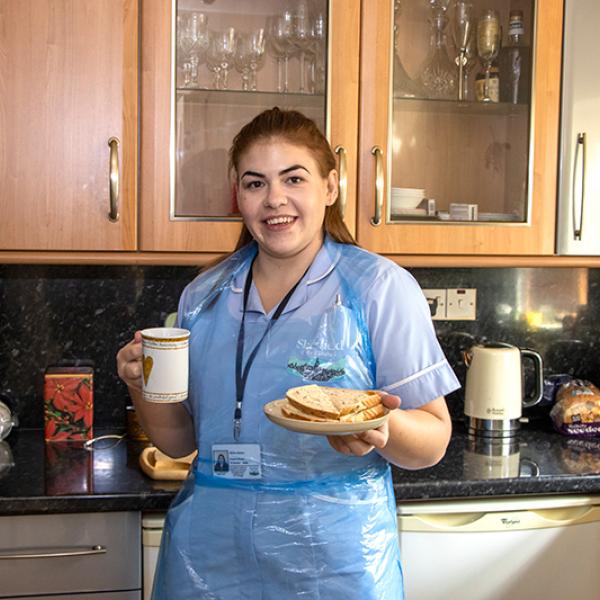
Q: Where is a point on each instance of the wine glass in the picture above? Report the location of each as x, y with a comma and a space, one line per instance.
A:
301, 38
193, 42
213, 61
242, 59
221, 55
469, 61
257, 43
279, 28
438, 6
488, 45
316, 51
462, 32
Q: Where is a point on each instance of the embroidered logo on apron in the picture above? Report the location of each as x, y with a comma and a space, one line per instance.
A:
315, 370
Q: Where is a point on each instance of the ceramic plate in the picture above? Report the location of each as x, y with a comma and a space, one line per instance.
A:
273, 412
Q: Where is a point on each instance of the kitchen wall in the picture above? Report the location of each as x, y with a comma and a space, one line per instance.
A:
53, 313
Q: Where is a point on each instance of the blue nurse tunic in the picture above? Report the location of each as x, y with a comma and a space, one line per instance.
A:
318, 524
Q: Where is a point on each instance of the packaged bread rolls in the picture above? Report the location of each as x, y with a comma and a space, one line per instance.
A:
577, 409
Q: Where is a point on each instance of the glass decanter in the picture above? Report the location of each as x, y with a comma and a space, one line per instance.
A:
438, 74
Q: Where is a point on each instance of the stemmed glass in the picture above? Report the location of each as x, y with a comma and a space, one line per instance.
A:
462, 33
242, 59
316, 52
301, 38
213, 62
257, 44
470, 59
193, 43
221, 54
438, 6
279, 28
488, 45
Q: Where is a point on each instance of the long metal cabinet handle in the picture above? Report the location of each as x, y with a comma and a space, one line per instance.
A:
378, 153
341, 152
51, 554
113, 214
578, 223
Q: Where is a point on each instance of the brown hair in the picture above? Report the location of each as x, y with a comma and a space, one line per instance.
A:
297, 129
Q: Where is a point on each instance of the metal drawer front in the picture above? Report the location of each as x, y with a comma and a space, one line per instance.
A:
70, 553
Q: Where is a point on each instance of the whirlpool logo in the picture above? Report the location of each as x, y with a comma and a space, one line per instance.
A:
508, 523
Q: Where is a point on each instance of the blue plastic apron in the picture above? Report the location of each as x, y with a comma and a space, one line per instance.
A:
319, 524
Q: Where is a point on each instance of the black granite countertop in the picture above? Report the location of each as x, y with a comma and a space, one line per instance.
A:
62, 477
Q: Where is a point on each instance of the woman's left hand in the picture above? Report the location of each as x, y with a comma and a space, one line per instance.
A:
359, 444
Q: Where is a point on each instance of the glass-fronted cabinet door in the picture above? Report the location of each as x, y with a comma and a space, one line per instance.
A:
208, 68
461, 156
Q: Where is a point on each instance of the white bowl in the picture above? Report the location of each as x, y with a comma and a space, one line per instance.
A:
408, 191
406, 198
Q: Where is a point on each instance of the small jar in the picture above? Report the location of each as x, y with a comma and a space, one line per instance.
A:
493, 86
134, 429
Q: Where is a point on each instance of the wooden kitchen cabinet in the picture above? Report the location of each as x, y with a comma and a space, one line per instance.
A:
72, 83
187, 125
68, 85
500, 157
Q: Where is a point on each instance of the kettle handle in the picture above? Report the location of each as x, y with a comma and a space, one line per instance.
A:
539, 378
467, 357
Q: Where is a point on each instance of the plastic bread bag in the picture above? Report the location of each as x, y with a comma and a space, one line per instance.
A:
577, 409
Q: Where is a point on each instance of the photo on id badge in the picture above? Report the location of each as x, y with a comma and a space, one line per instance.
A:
236, 461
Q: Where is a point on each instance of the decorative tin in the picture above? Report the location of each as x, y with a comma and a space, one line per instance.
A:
68, 404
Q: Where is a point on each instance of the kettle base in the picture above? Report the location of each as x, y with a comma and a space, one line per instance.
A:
494, 428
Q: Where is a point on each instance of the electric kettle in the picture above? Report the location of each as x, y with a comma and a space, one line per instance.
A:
494, 388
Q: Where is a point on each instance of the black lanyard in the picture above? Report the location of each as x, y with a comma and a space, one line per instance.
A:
241, 373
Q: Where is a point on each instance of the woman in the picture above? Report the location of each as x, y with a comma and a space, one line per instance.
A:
221, 464
298, 303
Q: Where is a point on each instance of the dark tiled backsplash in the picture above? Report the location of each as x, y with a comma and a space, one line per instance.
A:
51, 313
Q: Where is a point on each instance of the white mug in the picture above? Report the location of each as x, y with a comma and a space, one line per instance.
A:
165, 364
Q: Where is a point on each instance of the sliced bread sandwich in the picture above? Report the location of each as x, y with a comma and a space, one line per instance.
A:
321, 403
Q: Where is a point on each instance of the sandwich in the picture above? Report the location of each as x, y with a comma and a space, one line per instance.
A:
327, 404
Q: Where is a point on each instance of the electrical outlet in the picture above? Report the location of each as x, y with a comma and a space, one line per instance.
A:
461, 304
437, 303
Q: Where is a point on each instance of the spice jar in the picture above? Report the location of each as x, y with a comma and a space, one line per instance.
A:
134, 429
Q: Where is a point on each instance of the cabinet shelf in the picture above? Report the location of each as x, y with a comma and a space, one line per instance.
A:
455, 107
253, 99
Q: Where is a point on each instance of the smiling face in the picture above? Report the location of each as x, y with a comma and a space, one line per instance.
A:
282, 197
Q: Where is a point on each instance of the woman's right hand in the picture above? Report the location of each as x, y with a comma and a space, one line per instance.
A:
129, 362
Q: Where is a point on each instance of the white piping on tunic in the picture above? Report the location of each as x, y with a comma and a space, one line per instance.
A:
309, 282
331, 267
415, 375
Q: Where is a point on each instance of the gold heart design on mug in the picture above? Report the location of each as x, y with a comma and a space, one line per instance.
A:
147, 367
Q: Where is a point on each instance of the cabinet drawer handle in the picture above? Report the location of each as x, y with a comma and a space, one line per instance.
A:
113, 179
578, 226
341, 152
378, 153
76, 551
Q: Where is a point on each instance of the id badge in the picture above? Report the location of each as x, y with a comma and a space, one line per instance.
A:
236, 461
